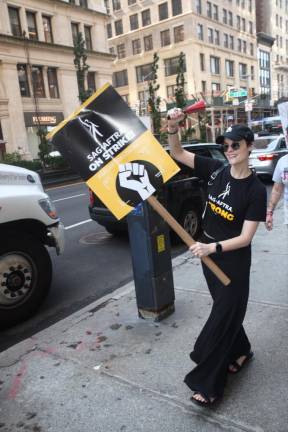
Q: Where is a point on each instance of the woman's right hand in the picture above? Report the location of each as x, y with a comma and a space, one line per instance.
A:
174, 117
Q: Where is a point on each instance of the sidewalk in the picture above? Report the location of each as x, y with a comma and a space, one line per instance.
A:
103, 369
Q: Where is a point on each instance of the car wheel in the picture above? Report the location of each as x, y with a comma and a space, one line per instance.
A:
25, 278
191, 221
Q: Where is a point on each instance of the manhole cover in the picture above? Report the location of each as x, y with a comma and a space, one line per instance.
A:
96, 238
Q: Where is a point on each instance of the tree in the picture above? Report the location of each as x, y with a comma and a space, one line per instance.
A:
81, 67
180, 97
154, 100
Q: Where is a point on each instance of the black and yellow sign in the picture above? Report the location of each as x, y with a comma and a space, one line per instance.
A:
115, 154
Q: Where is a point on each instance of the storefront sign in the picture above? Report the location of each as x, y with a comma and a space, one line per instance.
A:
120, 160
43, 118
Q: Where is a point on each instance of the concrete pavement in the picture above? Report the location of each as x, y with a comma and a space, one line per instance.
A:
103, 369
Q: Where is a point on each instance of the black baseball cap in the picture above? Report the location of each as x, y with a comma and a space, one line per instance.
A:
236, 133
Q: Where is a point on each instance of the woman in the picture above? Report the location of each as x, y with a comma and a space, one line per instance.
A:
236, 203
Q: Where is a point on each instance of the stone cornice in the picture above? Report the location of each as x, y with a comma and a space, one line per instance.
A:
19, 41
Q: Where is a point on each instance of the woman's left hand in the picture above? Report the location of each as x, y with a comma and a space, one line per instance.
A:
201, 249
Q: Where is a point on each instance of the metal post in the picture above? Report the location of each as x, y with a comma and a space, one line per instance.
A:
248, 100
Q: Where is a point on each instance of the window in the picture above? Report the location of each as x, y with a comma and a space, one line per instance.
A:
136, 46
146, 17
238, 22
109, 31
91, 84
225, 41
88, 38
112, 50
31, 24
242, 71
217, 37
118, 27
210, 35
176, 7
229, 66
252, 73
244, 47
163, 11
250, 27
47, 27
15, 21
225, 16
23, 80
144, 72
215, 65
121, 51
209, 9
243, 24
215, 12
120, 78
199, 6
215, 87
38, 82
179, 34
131, 2
134, 24
203, 86
75, 31
116, 4
231, 42
230, 19
53, 83
83, 3
239, 45
202, 62
172, 64
165, 37
200, 33
148, 43
170, 91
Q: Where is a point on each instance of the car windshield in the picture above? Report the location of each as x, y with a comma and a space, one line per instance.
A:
265, 144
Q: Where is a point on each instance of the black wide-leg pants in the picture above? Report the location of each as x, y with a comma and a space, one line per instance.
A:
222, 338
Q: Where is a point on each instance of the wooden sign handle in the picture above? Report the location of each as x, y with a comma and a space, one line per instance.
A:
157, 206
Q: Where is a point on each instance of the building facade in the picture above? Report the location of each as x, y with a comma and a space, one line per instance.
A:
38, 82
272, 19
217, 37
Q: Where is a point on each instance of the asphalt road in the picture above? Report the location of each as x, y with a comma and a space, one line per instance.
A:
94, 264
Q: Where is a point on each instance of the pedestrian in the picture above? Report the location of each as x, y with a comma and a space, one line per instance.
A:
280, 179
236, 203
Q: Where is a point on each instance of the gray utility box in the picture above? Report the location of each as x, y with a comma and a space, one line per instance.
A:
151, 260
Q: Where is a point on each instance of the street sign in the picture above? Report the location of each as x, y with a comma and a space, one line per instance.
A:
237, 93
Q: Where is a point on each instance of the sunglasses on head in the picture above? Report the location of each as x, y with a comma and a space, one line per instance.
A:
234, 146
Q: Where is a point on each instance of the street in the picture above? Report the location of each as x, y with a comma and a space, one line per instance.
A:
94, 264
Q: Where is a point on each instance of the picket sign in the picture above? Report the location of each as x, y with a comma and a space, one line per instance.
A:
119, 159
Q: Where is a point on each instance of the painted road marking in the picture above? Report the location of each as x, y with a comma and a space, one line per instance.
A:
73, 196
77, 224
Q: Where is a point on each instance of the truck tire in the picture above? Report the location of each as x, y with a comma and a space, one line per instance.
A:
25, 278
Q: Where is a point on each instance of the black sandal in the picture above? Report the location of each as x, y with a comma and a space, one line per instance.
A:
237, 366
206, 402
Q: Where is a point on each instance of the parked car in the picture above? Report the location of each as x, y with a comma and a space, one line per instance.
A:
28, 224
183, 196
272, 124
265, 154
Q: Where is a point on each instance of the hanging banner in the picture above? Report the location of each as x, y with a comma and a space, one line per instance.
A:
283, 112
115, 154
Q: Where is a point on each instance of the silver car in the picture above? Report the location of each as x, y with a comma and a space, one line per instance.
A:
265, 154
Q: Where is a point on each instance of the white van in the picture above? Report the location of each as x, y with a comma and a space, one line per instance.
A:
28, 224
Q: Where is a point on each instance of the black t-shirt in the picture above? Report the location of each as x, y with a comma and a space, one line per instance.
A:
230, 201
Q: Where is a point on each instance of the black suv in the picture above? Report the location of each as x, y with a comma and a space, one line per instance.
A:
183, 196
